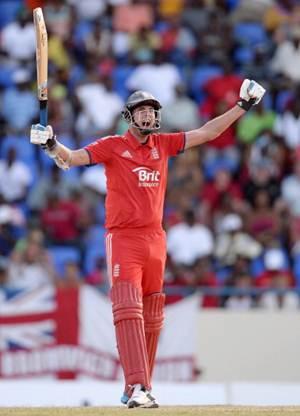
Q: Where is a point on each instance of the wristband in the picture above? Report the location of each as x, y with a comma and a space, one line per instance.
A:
246, 105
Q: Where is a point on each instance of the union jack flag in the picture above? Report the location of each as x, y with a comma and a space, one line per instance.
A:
27, 318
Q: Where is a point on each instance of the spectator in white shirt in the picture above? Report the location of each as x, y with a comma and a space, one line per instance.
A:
15, 178
18, 38
159, 77
189, 240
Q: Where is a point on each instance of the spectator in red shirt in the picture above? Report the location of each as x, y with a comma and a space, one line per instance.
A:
59, 219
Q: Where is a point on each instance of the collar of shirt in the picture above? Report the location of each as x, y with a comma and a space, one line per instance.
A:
135, 143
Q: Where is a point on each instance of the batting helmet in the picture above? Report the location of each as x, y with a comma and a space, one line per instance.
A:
137, 99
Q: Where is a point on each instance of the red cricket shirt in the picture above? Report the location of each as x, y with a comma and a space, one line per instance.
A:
136, 177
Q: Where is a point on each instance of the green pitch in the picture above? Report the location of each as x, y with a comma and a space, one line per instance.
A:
164, 411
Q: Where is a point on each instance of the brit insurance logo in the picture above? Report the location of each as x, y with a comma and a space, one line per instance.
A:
147, 177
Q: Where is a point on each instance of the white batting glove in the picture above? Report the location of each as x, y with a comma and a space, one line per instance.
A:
40, 134
251, 93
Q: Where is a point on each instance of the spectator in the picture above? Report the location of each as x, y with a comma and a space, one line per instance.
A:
30, 265
188, 241
100, 106
143, 45
159, 77
290, 188
19, 103
205, 278
18, 38
232, 241
241, 299
287, 57
72, 275
279, 279
264, 218
60, 218
53, 180
287, 125
255, 123
186, 112
15, 178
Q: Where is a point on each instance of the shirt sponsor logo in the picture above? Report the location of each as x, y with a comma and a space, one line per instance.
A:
147, 177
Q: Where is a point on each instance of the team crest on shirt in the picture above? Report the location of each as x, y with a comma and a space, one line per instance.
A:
147, 177
154, 153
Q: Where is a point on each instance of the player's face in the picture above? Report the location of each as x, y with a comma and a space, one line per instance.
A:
144, 116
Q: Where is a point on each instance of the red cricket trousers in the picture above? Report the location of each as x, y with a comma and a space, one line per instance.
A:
137, 257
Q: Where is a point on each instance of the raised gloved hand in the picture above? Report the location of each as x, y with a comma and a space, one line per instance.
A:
250, 94
43, 136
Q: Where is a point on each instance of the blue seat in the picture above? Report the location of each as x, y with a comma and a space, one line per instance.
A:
249, 33
200, 76
25, 150
8, 11
243, 55
296, 269
92, 254
257, 266
120, 75
96, 237
62, 255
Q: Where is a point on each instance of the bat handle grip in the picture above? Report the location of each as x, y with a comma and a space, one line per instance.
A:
44, 112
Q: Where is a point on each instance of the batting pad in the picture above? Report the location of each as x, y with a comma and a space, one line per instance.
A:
153, 323
129, 326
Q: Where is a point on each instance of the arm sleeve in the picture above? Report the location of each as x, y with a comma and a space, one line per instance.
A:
174, 143
100, 150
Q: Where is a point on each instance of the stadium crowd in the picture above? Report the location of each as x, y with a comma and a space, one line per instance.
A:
232, 211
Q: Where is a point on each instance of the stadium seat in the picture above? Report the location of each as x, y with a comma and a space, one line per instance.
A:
249, 34
9, 10
120, 75
61, 255
91, 256
296, 269
200, 76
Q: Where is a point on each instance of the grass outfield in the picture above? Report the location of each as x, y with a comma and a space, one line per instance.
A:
165, 411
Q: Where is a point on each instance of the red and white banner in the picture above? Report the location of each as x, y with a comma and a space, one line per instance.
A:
69, 333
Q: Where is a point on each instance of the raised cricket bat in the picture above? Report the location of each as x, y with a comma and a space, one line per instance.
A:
41, 63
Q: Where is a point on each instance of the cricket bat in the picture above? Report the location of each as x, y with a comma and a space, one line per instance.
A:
41, 63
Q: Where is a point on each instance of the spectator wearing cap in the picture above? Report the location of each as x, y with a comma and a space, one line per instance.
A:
232, 241
277, 276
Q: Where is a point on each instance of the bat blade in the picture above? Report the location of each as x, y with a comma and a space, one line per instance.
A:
41, 63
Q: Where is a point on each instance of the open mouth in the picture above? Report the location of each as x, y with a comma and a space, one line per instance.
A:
146, 123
